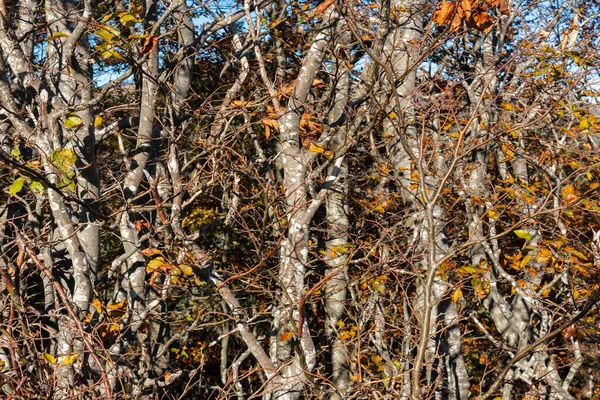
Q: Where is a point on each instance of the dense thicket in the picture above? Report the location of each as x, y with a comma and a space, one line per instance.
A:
298, 199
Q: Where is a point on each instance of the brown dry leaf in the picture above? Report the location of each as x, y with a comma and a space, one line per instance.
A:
444, 14
570, 332
483, 21
285, 336
324, 6
270, 123
319, 84
149, 45
239, 103
501, 4
151, 252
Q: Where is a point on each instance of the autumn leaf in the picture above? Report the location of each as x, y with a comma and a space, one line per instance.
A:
457, 295
57, 35
523, 234
324, 6
149, 45
97, 305
483, 21
155, 264
186, 269
118, 306
69, 360
285, 336
270, 124
444, 14
73, 121
49, 358
149, 252
502, 5
239, 104
467, 7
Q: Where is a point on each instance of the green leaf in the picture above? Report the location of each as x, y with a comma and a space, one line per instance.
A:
57, 35
63, 159
73, 121
37, 186
523, 234
68, 180
16, 153
16, 186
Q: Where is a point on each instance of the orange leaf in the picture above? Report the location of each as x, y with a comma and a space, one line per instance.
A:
483, 21
239, 104
285, 336
467, 7
324, 6
444, 13
149, 45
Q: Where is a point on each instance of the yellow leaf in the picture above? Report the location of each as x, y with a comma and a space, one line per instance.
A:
118, 306
97, 121
97, 305
155, 264
482, 289
379, 209
344, 335
70, 359
457, 295
315, 149
523, 234
525, 260
57, 35
492, 214
73, 121
285, 336
49, 358
88, 318
543, 255
567, 191
186, 269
